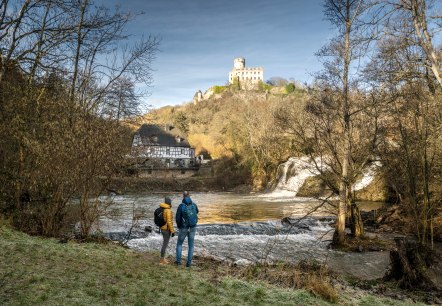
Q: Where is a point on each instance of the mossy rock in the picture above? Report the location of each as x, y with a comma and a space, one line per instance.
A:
312, 187
376, 191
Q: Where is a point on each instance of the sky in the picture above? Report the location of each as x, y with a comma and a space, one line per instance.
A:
201, 38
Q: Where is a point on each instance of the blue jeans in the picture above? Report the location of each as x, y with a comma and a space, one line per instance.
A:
183, 233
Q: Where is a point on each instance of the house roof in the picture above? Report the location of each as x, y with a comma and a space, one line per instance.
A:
162, 135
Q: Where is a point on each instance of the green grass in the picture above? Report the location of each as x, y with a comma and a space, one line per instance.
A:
40, 271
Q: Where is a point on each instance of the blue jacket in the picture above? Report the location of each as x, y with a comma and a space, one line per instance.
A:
180, 222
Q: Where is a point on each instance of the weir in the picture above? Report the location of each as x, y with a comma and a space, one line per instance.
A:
244, 229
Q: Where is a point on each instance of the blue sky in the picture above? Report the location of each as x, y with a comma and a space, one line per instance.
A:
200, 39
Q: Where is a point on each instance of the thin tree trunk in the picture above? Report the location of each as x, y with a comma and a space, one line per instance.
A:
339, 236
19, 180
357, 226
5, 60
418, 8
78, 50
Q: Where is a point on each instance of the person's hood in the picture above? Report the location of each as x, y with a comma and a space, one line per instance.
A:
187, 200
165, 205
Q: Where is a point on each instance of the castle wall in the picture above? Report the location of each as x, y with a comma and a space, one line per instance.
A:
252, 75
245, 74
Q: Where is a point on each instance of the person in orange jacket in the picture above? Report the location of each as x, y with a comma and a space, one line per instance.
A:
167, 229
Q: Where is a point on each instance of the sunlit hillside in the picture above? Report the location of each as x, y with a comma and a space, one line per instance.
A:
238, 125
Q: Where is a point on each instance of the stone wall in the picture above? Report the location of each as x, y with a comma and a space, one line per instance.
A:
167, 173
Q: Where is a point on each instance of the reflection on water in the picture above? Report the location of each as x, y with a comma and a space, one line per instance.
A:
230, 208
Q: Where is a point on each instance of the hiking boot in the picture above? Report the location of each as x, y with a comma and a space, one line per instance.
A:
177, 263
163, 261
188, 265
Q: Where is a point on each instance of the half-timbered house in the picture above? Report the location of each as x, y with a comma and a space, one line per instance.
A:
163, 147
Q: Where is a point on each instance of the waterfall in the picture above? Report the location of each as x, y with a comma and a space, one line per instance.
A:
367, 176
293, 173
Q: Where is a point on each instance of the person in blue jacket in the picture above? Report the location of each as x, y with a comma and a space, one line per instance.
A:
186, 220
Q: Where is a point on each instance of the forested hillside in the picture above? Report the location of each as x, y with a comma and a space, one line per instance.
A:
239, 129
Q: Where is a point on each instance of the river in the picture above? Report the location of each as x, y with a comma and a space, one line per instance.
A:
244, 228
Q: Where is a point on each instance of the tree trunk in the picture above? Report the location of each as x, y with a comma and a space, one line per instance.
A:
20, 174
357, 226
78, 49
409, 261
418, 8
339, 236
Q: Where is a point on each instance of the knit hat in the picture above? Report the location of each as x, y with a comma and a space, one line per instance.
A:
186, 193
167, 200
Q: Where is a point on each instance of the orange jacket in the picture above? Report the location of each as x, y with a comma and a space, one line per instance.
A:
167, 215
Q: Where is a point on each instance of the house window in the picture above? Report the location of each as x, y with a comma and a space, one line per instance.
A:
182, 151
167, 151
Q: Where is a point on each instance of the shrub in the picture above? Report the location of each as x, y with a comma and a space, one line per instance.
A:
264, 87
290, 88
218, 89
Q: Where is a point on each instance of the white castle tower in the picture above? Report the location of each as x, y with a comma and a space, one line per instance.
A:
239, 63
245, 75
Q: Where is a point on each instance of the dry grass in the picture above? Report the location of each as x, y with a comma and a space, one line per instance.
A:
309, 276
366, 244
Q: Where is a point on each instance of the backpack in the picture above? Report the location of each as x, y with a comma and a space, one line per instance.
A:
190, 215
158, 217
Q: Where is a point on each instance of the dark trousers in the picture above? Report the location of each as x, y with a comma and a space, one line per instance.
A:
166, 237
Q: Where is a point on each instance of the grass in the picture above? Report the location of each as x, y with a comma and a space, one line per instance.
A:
41, 271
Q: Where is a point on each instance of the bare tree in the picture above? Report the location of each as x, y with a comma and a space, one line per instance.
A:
404, 74
277, 81
121, 100
60, 59
346, 16
417, 22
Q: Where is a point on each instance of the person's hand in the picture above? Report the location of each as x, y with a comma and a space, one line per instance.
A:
173, 234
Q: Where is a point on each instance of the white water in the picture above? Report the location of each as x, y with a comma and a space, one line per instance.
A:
243, 229
368, 176
294, 173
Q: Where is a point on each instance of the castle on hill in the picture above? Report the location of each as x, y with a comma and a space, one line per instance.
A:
245, 77
243, 74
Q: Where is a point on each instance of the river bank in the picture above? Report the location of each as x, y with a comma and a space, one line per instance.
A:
125, 185
41, 271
